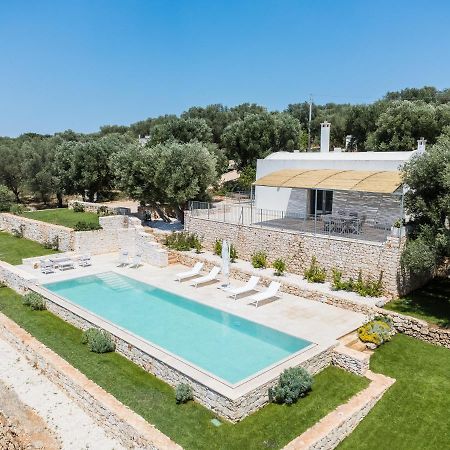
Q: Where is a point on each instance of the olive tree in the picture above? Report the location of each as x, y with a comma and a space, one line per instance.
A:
428, 203
165, 175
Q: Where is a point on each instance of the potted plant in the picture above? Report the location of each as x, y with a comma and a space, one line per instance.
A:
398, 228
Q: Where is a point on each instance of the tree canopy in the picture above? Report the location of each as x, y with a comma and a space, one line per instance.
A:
428, 203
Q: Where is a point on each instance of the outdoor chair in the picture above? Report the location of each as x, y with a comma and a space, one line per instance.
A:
250, 286
190, 273
46, 266
123, 258
212, 276
85, 260
136, 261
269, 294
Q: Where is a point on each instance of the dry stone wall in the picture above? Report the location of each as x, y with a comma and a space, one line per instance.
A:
95, 207
348, 255
38, 231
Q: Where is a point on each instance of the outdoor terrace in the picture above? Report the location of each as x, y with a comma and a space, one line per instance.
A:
345, 224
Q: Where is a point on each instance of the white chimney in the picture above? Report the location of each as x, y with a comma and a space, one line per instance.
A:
325, 137
421, 145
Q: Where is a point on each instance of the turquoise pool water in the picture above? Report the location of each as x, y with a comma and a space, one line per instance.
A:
223, 344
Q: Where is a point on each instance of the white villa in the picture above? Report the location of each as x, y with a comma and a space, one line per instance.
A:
344, 208
347, 192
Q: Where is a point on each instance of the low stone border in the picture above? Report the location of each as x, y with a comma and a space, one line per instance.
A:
117, 419
94, 207
350, 360
337, 425
408, 325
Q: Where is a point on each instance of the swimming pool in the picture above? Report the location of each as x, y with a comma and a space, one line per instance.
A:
227, 346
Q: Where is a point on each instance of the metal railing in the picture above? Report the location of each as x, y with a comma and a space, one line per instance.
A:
332, 225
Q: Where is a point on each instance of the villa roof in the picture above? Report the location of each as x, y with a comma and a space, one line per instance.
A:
381, 182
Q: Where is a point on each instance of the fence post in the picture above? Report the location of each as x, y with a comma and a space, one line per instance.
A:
242, 215
208, 209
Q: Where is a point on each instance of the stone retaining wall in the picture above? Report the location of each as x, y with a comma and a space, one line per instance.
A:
296, 249
94, 207
351, 360
231, 409
38, 231
15, 278
119, 421
337, 425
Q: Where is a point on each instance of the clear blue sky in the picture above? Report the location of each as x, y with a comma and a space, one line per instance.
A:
80, 64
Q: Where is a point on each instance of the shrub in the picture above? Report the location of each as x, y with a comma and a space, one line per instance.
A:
218, 250
17, 209
280, 266
81, 225
259, 260
183, 241
53, 244
293, 383
35, 301
98, 341
314, 273
77, 207
233, 253
419, 257
104, 211
6, 198
218, 247
365, 288
377, 331
18, 232
183, 393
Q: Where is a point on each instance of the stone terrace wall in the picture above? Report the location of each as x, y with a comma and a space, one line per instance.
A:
38, 231
94, 207
348, 255
15, 278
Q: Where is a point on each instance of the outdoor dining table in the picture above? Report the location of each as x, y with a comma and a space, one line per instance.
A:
340, 223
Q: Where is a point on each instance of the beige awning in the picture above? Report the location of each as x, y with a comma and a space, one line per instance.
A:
382, 182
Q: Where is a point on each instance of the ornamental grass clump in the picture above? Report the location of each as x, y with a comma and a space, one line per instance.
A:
183, 393
280, 266
183, 241
314, 273
365, 288
98, 341
293, 383
259, 260
35, 301
377, 331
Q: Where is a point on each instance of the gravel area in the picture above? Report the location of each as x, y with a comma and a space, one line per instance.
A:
72, 427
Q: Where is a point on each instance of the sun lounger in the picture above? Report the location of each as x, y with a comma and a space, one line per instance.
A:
190, 273
46, 266
267, 294
123, 258
248, 287
85, 261
136, 261
212, 276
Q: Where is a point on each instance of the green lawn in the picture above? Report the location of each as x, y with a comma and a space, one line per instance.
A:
414, 413
13, 249
189, 424
62, 216
431, 303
